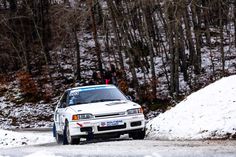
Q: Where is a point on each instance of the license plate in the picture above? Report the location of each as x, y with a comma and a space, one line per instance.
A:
111, 123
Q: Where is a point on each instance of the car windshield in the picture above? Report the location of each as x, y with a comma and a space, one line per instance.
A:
95, 94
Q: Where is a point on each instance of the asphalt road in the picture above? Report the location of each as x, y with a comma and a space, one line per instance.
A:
126, 147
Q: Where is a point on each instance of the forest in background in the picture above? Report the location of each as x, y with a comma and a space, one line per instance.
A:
164, 41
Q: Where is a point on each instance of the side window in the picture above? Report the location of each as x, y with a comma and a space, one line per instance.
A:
63, 100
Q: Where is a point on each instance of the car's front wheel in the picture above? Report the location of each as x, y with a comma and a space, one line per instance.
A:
59, 138
67, 138
139, 135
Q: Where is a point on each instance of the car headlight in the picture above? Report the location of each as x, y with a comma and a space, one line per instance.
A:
82, 116
135, 111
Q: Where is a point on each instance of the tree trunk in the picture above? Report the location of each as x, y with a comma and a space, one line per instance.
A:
205, 4
116, 32
45, 24
133, 73
189, 36
26, 48
95, 36
13, 5
197, 32
182, 55
234, 23
149, 30
170, 37
221, 37
77, 48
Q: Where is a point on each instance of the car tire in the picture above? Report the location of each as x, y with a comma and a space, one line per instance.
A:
59, 138
139, 135
54, 131
67, 139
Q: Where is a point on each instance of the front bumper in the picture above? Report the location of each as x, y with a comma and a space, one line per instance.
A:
129, 124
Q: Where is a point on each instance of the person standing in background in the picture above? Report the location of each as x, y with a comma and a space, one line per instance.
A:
110, 75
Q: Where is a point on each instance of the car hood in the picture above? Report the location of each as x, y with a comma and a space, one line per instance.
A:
104, 107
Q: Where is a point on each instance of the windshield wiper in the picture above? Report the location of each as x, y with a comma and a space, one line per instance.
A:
104, 100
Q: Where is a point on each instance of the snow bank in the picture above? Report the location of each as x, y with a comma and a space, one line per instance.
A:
15, 139
207, 113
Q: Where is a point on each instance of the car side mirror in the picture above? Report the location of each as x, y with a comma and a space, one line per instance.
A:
63, 105
129, 98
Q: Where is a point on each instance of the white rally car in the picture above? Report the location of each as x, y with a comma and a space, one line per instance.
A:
98, 111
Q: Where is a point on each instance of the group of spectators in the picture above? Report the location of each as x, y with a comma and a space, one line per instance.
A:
108, 76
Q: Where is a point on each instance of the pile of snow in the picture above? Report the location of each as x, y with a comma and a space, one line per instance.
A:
209, 113
15, 139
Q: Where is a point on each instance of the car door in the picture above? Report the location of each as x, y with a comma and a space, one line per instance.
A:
59, 119
56, 116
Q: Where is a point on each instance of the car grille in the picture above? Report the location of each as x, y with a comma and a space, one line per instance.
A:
119, 114
86, 129
111, 127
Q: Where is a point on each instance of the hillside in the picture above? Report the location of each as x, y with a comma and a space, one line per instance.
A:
162, 51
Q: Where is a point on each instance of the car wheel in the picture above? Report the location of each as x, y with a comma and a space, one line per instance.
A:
54, 131
67, 139
137, 135
59, 138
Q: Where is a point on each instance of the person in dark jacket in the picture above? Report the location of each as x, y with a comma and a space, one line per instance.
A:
114, 76
96, 78
108, 77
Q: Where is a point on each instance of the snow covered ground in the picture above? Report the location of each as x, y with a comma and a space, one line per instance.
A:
129, 148
15, 139
209, 113
28, 115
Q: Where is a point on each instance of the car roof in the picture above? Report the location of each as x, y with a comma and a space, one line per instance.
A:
90, 86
